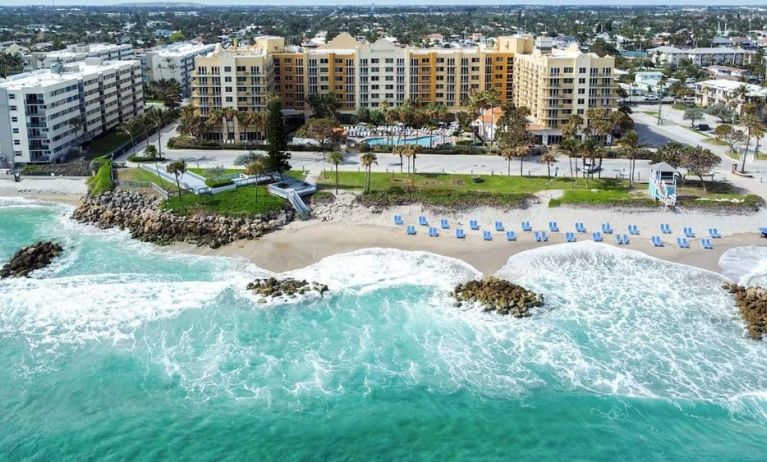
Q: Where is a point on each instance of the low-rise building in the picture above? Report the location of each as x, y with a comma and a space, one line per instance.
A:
175, 61
701, 56
728, 92
728, 73
74, 53
46, 114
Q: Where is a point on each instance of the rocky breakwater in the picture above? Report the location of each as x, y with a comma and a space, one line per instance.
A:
144, 217
498, 295
31, 258
752, 302
289, 287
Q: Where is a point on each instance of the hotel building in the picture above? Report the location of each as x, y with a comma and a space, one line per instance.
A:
48, 113
552, 83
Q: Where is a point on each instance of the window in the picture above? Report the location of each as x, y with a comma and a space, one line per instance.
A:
15, 130
13, 108
229, 99
581, 70
11, 96
227, 68
14, 119
16, 142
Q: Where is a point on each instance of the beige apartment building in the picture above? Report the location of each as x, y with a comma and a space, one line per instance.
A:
552, 83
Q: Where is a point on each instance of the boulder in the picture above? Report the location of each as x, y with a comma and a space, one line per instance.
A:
752, 303
498, 295
31, 258
289, 287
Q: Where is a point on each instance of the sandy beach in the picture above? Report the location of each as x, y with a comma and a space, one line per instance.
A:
60, 190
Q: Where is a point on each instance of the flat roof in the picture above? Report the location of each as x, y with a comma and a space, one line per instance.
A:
72, 71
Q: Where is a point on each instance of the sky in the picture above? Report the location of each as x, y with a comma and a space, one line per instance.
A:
751, 3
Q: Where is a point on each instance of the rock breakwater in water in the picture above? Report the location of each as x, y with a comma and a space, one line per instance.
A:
31, 258
289, 287
498, 295
142, 215
752, 302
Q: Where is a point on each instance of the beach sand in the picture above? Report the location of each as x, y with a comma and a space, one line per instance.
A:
47, 189
296, 248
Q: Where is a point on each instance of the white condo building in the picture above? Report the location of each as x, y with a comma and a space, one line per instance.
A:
175, 61
701, 57
74, 53
46, 114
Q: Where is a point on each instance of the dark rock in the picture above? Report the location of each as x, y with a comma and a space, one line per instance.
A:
31, 258
752, 302
273, 287
498, 295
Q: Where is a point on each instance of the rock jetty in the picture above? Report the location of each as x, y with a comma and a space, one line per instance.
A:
289, 287
142, 215
752, 302
498, 295
31, 258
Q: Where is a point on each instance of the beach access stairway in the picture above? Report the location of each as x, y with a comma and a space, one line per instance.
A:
293, 190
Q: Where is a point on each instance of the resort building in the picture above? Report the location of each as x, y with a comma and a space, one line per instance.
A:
711, 92
175, 61
74, 53
552, 83
729, 73
48, 113
701, 57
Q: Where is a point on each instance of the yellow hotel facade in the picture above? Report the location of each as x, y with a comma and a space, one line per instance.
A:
552, 83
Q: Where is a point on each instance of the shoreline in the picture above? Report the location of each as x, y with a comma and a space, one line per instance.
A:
295, 248
51, 197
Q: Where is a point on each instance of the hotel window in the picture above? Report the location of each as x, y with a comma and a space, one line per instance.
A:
227, 68
581, 70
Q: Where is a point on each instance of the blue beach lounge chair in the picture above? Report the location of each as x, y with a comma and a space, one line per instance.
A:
596, 236
570, 237
444, 224
763, 232
688, 232
553, 227
487, 235
580, 227
714, 233
499, 226
682, 243
398, 220
422, 221
474, 225
460, 234
626, 239
707, 243
633, 230
511, 236
411, 230
656, 241
665, 228
433, 232
544, 236
606, 228
526, 226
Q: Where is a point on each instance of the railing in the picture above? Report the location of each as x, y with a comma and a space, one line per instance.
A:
298, 204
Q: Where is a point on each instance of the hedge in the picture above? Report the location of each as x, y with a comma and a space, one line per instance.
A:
101, 182
218, 182
138, 159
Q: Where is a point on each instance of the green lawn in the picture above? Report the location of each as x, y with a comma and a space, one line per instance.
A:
206, 172
237, 202
144, 176
107, 143
461, 183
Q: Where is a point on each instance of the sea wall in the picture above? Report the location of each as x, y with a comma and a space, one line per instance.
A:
142, 215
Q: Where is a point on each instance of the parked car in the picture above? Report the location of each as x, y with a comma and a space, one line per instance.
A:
589, 168
703, 127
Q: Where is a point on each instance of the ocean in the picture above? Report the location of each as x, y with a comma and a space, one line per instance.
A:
124, 351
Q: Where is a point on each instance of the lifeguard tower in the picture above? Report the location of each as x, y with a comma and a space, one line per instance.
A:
663, 183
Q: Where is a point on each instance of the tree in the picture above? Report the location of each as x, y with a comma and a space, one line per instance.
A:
129, 127
362, 115
323, 105
277, 158
670, 153
722, 111
730, 135
570, 147
368, 160
512, 135
699, 161
150, 152
548, 158
255, 168
324, 131
336, 158
630, 144
156, 117
177, 168
754, 129
247, 158
692, 114
572, 126
176, 36
599, 126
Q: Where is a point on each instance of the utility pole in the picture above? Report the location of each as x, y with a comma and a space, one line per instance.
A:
660, 101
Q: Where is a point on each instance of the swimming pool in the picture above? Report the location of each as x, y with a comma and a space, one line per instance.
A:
420, 140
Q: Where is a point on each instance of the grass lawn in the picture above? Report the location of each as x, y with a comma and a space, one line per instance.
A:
457, 182
715, 141
237, 202
144, 176
107, 143
207, 173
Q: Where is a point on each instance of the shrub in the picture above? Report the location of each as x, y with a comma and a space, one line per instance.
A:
30, 169
101, 182
218, 182
138, 159
172, 142
364, 147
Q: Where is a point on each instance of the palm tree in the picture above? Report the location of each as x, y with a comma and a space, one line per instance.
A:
399, 150
477, 103
177, 168
630, 144
336, 158
571, 127
491, 101
128, 127
228, 114
367, 160
156, 117
255, 168
571, 147
755, 129
507, 154
216, 121
548, 158
739, 96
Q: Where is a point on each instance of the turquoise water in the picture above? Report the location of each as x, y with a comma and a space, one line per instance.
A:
120, 351
420, 140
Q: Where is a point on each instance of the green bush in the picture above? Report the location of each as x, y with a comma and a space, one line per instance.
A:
464, 143
101, 182
138, 159
365, 147
172, 142
30, 169
218, 182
